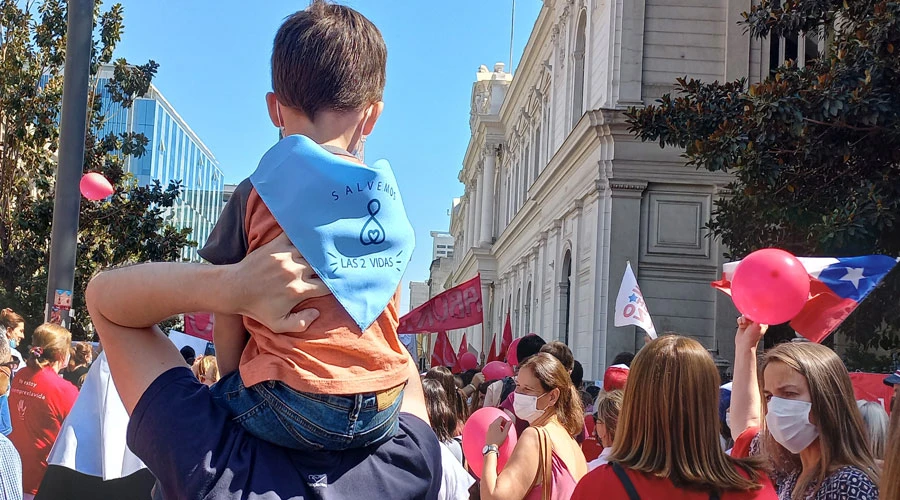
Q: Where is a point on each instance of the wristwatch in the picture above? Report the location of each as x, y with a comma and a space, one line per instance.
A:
491, 448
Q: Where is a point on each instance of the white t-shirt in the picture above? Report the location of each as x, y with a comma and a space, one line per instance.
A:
603, 459
455, 481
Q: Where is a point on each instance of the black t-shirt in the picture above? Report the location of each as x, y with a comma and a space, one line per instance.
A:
197, 452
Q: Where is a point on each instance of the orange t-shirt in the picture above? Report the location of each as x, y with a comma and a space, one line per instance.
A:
332, 356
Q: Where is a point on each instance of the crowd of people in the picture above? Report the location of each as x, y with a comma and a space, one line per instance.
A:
312, 395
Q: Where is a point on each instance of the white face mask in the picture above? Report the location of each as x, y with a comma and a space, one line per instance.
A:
525, 407
788, 422
728, 419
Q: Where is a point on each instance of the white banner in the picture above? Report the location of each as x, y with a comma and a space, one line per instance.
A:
630, 306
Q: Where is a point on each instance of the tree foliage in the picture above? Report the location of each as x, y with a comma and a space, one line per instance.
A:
132, 225
814, 151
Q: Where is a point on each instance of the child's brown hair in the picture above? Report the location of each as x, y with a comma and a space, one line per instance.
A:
328, 57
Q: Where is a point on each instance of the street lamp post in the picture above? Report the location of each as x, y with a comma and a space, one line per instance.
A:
72, 129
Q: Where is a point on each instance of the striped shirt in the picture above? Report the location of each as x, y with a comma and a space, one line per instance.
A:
10, 471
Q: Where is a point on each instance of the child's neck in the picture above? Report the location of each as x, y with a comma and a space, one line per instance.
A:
332, 129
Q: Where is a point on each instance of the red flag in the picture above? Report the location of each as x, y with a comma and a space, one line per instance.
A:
443, 354
492, 354
459, 307
463, 346
507, 338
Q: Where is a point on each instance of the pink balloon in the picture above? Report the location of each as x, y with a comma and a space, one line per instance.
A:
511, 357
468, 361
474, 434
496, 370
770, 286
95, 187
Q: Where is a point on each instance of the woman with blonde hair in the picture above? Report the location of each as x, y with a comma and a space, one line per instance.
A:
546, 462
40, 401
876, 421
206, 369
667, 438
814, 437
606, 420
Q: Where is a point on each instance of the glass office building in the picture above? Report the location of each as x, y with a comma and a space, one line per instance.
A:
174, 152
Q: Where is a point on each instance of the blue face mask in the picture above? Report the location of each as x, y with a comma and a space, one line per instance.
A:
13, 343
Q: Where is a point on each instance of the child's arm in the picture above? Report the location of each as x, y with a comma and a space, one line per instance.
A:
230, 338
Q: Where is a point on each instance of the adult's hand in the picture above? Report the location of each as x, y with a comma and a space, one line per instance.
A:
749, 333
274, 280
498, 431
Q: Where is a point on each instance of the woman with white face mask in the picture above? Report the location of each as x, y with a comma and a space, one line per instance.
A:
813, 434
546, 462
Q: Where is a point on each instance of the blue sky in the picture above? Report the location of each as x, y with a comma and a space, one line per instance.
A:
214, 69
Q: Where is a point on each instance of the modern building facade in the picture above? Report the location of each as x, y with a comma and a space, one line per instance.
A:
174, 153
559, 196
441, 244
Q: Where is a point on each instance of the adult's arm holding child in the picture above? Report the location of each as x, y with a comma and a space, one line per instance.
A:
125, 305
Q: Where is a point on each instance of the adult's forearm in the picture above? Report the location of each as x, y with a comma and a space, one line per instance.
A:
746, 406
131, 297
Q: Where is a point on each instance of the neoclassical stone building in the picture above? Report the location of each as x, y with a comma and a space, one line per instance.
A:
559, 195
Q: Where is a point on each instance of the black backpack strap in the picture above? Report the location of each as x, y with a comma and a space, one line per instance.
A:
626, 481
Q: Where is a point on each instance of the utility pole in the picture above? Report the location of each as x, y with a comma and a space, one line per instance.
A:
72, 129
512, 32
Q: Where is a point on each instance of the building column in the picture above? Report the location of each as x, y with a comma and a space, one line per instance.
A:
487, 194
625, 224
478, 191
487, 308
470, 216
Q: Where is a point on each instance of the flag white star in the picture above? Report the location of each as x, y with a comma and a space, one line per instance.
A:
854, 275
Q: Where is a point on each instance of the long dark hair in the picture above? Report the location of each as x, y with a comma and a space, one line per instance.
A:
443, 418
443, 375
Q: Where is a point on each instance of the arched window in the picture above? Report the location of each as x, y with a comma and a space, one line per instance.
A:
537, 153
517, 323
578, 70
565, 294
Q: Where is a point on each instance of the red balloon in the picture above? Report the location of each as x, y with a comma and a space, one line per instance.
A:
511, 357
496, 370
770, 286
95, 187
468, 361
474, 434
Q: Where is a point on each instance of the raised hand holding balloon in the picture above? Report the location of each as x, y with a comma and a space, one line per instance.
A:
770, 286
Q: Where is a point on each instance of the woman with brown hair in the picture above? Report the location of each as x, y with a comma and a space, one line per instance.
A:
14, 324
40, 401
457, 402
79, 364
890, 476
667, 437
813, 438
546, 462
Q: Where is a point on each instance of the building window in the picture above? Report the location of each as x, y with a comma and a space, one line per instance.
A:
578, 69
537, 152
801, 49
565, 300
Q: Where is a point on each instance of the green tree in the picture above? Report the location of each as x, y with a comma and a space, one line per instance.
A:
814, 151
131, 226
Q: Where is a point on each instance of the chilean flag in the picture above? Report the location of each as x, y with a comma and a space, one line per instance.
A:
837, 286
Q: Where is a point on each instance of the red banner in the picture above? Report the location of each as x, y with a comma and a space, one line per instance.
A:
459, 307
199, 325
492, 356
507, 339
870, 386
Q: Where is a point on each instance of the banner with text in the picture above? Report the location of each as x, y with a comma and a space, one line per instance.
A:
459, 307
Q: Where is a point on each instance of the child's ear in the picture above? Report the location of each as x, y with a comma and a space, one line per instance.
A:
272, 105
374, 114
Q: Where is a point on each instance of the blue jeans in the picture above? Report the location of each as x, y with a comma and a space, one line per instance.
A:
276, 413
